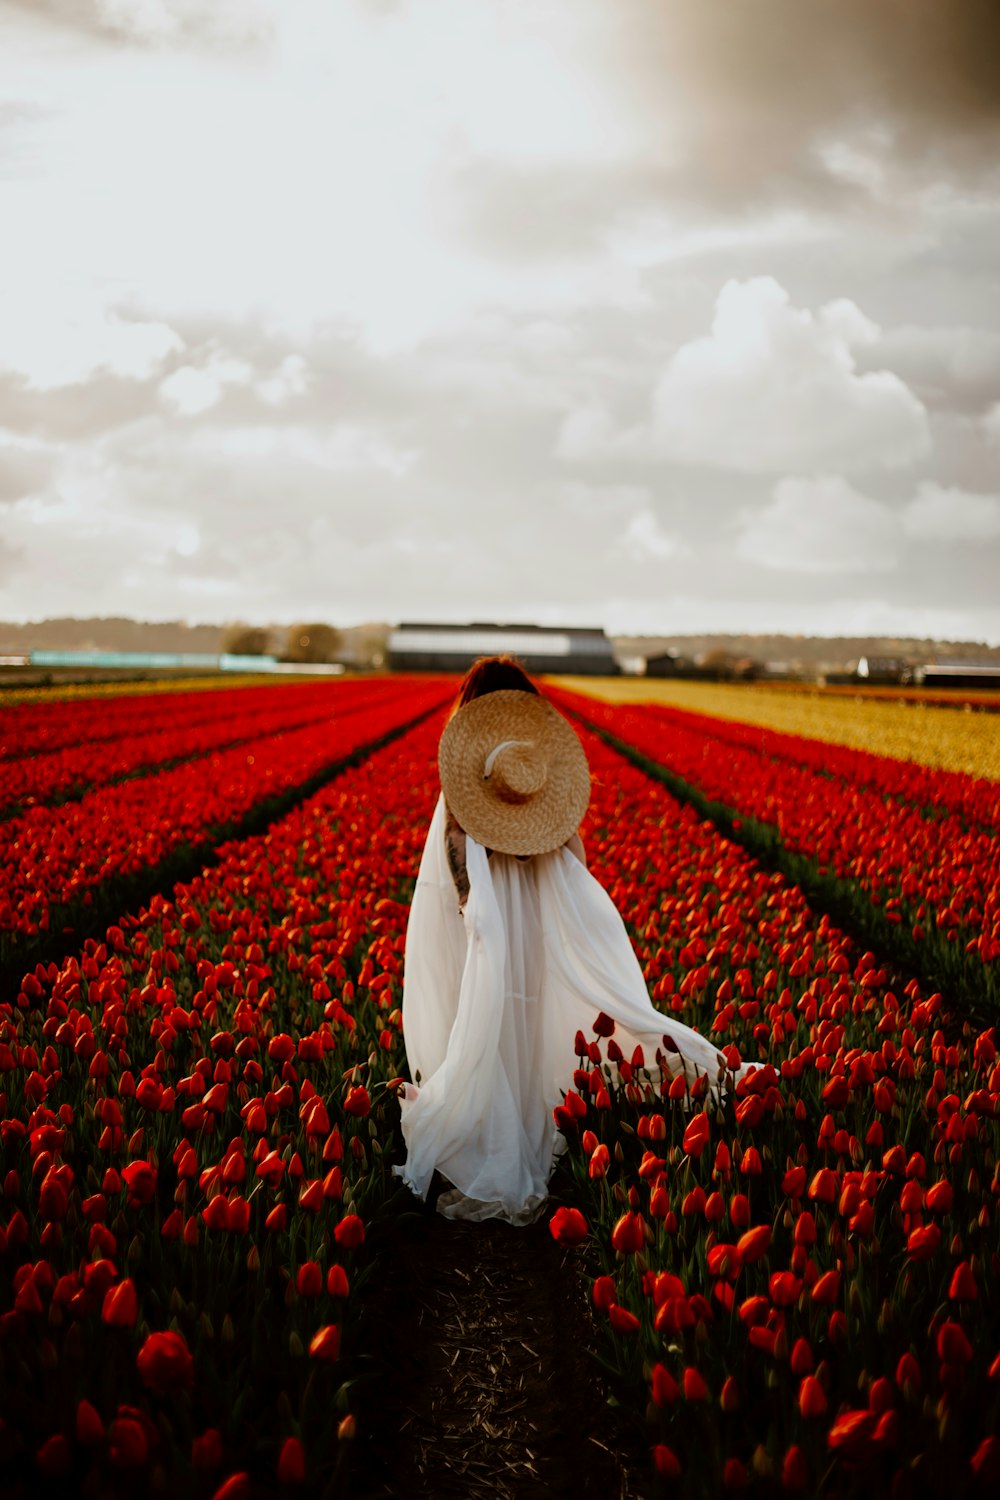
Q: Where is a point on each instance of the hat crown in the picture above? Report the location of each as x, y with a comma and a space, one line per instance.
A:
513, 772
516, 770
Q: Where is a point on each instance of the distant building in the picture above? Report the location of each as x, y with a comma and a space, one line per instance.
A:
958, 674
885, 669
418, 647
669, 664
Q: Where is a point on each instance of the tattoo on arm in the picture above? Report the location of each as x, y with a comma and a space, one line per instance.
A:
454, 838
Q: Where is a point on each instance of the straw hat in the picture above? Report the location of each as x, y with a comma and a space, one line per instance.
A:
514, 773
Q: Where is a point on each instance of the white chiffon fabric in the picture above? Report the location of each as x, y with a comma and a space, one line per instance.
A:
492, 1002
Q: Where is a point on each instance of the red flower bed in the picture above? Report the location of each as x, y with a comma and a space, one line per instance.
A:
38, 727
51, 858
193, 1118
937, 876
799, 1281
58, 774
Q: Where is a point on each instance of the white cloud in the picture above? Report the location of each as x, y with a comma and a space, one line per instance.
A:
645, 539
56, 336
162, 22
192, 389
821, 525
991, 424
772, 387
288, 380
938, 513
346, 445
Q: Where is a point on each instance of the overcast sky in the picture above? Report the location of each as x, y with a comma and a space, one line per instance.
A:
665, 316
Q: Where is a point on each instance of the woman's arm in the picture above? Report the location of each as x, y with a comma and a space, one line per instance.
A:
454, 842
575, 846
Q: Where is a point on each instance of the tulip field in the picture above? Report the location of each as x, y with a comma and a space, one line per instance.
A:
793, 1285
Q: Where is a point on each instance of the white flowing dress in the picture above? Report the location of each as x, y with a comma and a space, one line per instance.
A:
492, 1002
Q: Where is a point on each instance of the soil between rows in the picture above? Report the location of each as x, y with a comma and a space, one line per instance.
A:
488, 1389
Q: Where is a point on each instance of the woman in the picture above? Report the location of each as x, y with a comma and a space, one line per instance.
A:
512, 947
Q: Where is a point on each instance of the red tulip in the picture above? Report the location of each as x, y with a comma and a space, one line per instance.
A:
794, 1472
357, 1102
851, 1433
568, 1226
53, 1457
165, 1364
812, 1397
309, 1279
826, 1288
823, 1188
739, 1211
337, 1284
729, 1396
236, 1487
206, 1450
664, 1387
120, 1307
908, 1372
604, 1293
666, 1461
695, 1388
985, 1462
350, 1232
216, 1212
89, 1427
953, 1346
939, 1197
128, 1445
140, 1179
291, 1462
696, 1135
923, 1242
963, 1284
628, 1236
755, 1243
793, 1184
725, 1260
325, 1344
281, 1048
621, 1320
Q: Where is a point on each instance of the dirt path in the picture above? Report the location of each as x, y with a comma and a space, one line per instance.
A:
491, 1391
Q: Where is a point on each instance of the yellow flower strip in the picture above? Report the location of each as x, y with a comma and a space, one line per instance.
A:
947, 738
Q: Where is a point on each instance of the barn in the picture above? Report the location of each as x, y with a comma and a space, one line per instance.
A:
418, 647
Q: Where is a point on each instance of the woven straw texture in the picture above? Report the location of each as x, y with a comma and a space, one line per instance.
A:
538, 787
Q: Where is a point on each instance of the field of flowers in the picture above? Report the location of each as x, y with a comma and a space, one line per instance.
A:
904, 723
794, 1286
58, 862
800, 1280
912, 854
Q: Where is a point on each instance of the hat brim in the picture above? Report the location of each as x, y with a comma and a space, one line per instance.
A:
548, 818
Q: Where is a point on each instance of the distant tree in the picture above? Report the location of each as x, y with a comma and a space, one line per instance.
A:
313, 643
246, 640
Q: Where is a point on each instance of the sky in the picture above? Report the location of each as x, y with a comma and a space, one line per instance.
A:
670, 318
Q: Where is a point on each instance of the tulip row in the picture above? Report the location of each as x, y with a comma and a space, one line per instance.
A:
55, 863
193, 1116
905, 729
926, 887
41, 726
57, 775
797, 1283
975, 799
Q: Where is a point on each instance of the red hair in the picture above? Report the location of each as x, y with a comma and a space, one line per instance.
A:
491, 674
